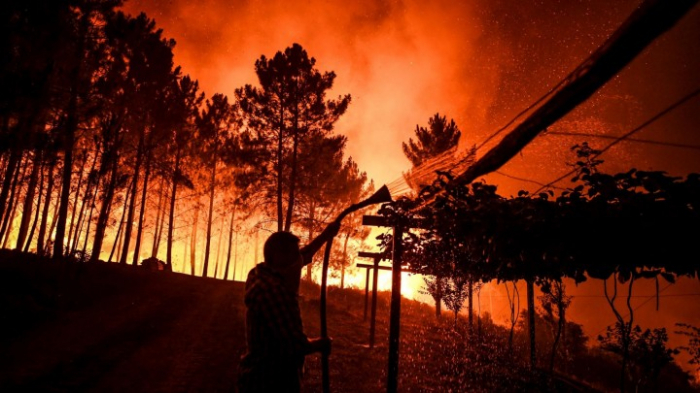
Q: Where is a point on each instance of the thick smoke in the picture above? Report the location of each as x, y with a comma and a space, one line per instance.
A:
402, 61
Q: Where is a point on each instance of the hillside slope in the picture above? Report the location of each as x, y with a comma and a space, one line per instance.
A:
69, 327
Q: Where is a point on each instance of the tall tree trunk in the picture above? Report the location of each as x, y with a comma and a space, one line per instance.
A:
116, 239
257, 241
132, 205
38, 209
121, 226
218, 245
29, 201
103, 216
65, 186
72, 226
159, 223
478, 314
171, 214
470, 298
89, 220
193, 239
86, 198
292, 183
280, 217
438, 296
118, 242
54, 220
79, 225
45, 214
10, 199
6, 230
235, 257
69, 136
144, 191
207, 247
230, 244
12, 162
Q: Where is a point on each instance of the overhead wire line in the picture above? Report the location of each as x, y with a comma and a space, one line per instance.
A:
626, 135
594, 135
524, 179
652, 142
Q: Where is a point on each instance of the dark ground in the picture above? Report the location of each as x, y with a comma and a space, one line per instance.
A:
101, 328
71, 327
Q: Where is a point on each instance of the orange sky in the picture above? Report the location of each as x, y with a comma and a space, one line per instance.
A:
478, 62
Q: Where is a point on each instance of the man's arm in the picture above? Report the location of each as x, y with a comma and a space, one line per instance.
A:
310, 249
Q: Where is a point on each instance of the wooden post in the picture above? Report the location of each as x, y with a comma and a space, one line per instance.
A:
395, 315
325, 371
377, 257
531, 321
366, 294
373, 321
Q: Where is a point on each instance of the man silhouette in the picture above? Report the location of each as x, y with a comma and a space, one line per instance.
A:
276, 343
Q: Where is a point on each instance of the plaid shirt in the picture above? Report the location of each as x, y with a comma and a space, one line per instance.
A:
274, 331
275, 335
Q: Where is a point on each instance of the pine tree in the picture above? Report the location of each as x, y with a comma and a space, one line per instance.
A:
439, 137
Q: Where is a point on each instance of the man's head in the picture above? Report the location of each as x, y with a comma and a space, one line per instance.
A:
281, 251
282, 254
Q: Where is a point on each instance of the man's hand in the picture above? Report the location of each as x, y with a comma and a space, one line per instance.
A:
321, 344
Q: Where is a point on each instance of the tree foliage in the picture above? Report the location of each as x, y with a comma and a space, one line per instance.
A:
647, 350
115, 144
581, 233
438, 137
288, 108
693, 347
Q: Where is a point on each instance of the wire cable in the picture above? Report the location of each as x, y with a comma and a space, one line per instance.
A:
525, 180
626, 135
670, 144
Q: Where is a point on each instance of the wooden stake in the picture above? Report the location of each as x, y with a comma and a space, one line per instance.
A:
395, 315
324, 326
